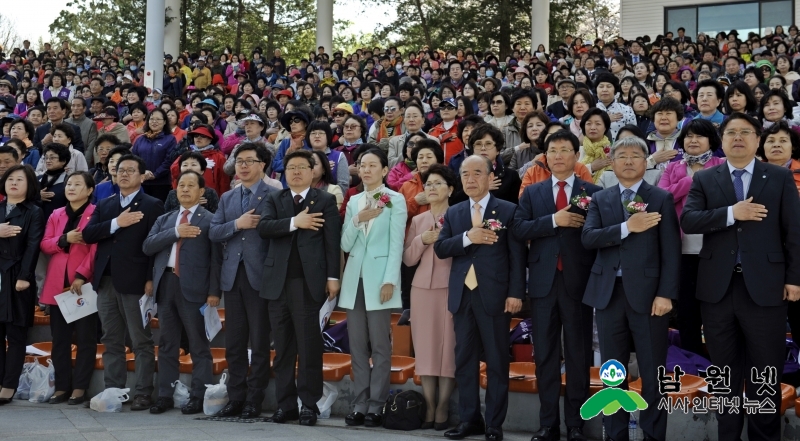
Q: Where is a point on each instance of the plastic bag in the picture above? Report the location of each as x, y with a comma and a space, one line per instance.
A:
329, 395
24, 388
109, 400
216, 396
181, 394
43, 382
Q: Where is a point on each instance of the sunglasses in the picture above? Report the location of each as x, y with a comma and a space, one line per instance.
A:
339, 114
447, 107
296, 120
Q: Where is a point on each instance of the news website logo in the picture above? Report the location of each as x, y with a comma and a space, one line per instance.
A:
611, 399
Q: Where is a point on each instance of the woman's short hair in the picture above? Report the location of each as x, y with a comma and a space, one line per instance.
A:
65, 128
505, 98
468, 121
780, 126
751, 105
787, 105
586, 94
523, 132
443, 171
361, 122
88, 179
431, 145
29, 129
686, 96
197, 156
667, 104
701, 127
61, 150
594, 111
481, 130
30, 177
323, 126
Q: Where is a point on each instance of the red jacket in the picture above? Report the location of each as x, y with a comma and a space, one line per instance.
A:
448, 140
79, 259
214, 175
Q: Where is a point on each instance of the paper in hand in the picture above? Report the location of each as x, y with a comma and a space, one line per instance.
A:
325, 313
148, 307
74, 307
213, 323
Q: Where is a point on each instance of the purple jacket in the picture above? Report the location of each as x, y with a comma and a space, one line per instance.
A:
156, 154
675, 181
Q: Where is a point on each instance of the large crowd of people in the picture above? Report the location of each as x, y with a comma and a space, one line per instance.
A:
633, 184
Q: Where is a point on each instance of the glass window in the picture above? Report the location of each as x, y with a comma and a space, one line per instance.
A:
776, 13
683, 17
714, 19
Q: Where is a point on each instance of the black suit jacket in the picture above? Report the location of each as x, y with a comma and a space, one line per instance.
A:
557, 109
319, 250
44, 129
130, 267
534, 221
18, 256
499, 267
650, 260
769, 248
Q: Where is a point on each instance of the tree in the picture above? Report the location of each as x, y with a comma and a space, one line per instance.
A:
601, 20
9, 37
99, 24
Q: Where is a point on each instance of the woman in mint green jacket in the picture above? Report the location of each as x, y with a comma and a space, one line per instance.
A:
373, 234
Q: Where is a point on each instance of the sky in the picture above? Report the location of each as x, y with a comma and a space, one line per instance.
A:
32, 23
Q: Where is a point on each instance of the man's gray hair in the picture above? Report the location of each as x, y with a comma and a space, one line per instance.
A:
631, 141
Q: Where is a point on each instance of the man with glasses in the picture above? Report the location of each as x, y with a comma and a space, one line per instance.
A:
243, 256
634, 228
566, 88
119, 226
303, 229
747, 211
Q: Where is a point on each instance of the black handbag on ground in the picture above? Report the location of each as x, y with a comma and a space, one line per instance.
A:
404, 411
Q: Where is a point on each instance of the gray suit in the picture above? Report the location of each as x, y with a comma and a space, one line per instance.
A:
246, 314
180, 298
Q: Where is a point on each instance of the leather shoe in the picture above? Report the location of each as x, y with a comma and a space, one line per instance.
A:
576, 434
281, 416
494, 434
440, 426
464, 430
250, 410
354, 419
73, 401
6, 400
141, 402
308, 417
162, 405
63, 398
195, 405
547, 433
405, 318
232, 409
373, 420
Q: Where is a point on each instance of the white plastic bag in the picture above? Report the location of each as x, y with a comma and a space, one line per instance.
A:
181, 394
216, 396
43, 382
329, 395
24, 388
109, 400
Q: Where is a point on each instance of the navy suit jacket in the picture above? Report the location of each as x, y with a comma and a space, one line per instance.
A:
534, 222
44, 129
769, 248
650, 260
500, 268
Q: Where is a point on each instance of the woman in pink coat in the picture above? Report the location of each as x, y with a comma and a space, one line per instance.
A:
431, 323
71, 265
699, 140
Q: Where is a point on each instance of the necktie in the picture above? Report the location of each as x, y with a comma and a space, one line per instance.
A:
245, 199
298, 199
738, 187
477, 221
184, 220
627, 198
561, 203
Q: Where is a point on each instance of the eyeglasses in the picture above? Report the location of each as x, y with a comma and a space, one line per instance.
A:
127, 171
316, 133
351, 126
447, 107
300, 168
411, 144
249, 162
498, 102
390, 109
156, 120
339, 114
50, 158
430, 185
743, 133
484, 146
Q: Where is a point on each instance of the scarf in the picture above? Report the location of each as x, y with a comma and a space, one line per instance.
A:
51, 176
387, 129
701, 159
364, 106
596, 150
411, 164
151, 135
73, 217
297, 140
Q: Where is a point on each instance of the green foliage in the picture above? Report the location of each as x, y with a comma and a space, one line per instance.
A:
102, 24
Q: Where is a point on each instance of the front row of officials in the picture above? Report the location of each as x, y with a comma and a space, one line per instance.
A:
276, 256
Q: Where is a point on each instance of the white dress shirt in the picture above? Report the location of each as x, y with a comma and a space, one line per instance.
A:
171, 260
124, 201
624, 228
747, 177
303, 196
484, 203
567, 189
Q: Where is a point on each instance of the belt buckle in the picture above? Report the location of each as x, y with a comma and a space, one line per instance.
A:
737, 268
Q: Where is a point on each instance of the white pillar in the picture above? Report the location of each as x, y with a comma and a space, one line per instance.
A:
325, 26
540, 24
172, 33
154, 44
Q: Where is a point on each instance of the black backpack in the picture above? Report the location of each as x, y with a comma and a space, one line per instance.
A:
404, 411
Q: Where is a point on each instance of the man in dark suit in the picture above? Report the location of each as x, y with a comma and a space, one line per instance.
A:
634, 277
636, 55
122, 273
566, 88
243, 255
487, 283
56, 112
747, 211
186, 277
558, 269
682, 38
303, 227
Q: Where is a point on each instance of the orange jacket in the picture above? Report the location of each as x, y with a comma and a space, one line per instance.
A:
795, 167
449, 141
539, 171
409, 189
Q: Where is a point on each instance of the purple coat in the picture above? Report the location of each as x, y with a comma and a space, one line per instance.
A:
675, 180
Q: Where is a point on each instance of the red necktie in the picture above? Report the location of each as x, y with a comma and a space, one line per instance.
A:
561, 203
184, 220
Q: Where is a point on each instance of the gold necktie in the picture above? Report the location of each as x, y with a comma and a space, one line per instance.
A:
477, 221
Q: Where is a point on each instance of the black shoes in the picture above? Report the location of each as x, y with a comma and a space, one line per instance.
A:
142, 402
354, 419
547, 433
63, 398
281, 416
195, 405
494, 434
576, 434
373, 420
232, 409
73, 401
251, 410
464, 430
405, 318
308, 417
440, 426
162, 405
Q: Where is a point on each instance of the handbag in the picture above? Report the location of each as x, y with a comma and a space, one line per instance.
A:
404, 411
